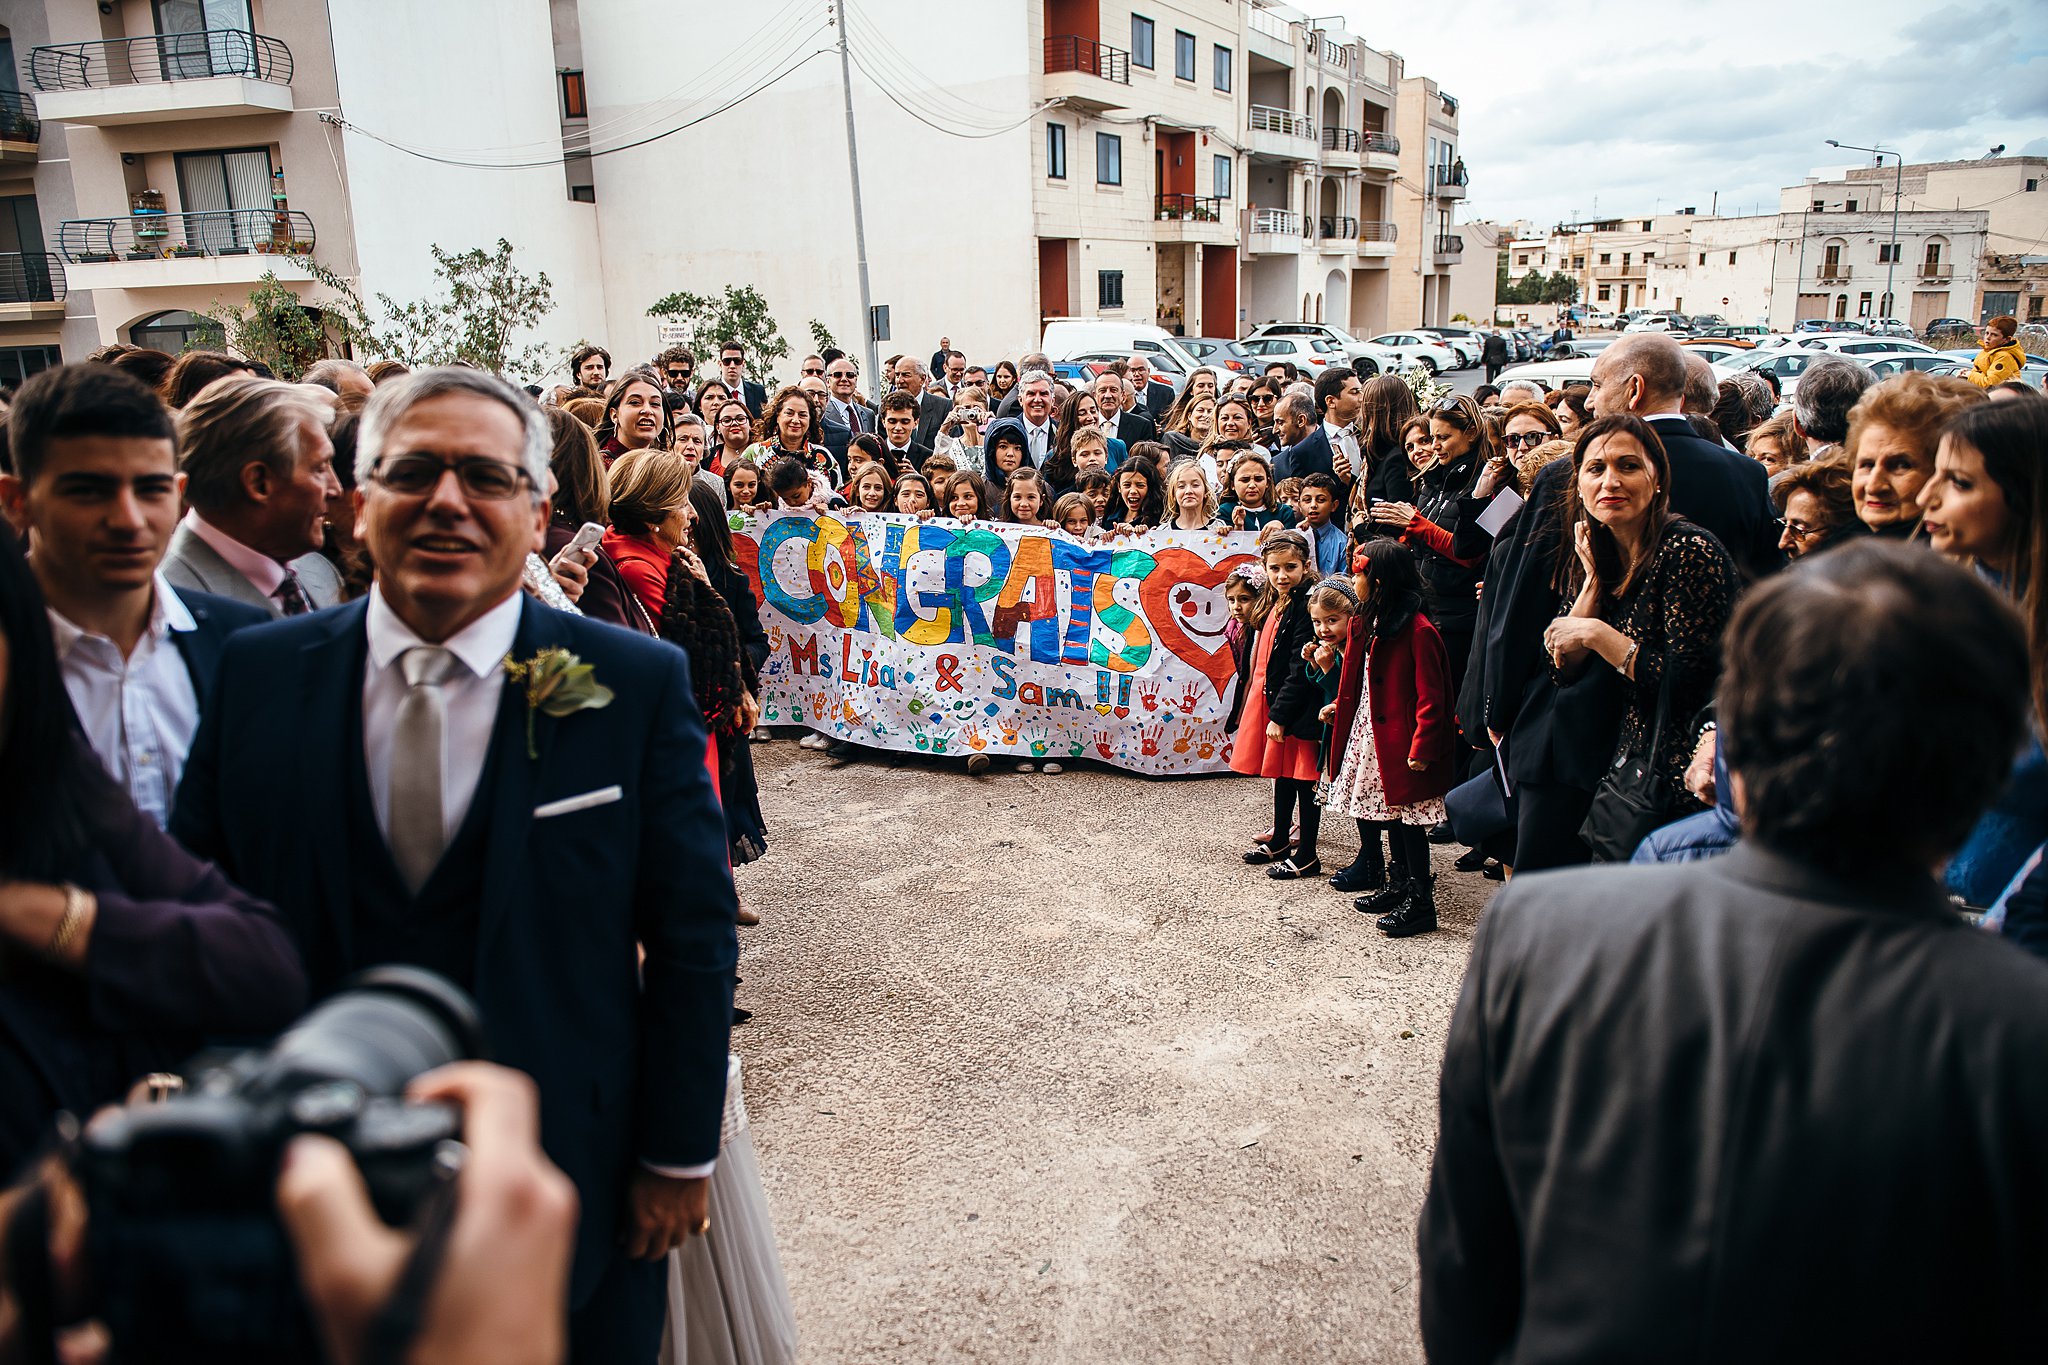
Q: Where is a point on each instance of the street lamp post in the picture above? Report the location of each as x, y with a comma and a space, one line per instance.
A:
1898, 189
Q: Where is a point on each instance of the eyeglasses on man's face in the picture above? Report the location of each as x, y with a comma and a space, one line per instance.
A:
814, 370
478, 475
679, 376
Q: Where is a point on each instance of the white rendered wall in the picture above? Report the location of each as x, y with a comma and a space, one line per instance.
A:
759, 195
462, 75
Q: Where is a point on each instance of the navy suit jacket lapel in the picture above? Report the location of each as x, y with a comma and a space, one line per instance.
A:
331, 682
517, 778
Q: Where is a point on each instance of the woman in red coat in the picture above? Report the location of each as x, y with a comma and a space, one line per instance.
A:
1394, 737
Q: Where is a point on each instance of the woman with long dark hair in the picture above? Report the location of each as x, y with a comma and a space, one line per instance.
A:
789, 426
583, 495
1643, 597
119, 951
1386, 406
635, 415
1002, 380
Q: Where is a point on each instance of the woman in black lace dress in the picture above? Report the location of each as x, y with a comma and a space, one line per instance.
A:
1644, 597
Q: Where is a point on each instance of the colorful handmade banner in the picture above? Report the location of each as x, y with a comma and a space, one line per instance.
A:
988, 637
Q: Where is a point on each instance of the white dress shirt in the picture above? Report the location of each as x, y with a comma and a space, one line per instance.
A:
471, 696
139, 713
1345, 440
1040, 441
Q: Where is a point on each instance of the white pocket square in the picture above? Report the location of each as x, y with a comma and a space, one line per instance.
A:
603, 796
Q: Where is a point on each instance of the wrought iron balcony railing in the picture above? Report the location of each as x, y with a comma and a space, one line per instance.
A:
18, 121
1191, 208
1382, 142
150, 236
1266, 119
1379, 232
1066, 52
1448, 244
1340, 139
1331, 227
30, 277
160, 57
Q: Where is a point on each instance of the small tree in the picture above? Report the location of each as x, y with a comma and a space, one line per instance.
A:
1559, 288
488, 301
272, 326
821, 338
739, 314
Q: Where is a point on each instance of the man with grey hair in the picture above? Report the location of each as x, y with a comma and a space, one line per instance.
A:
1032, 360
340, 377
1520, 391
259, 471
1294, 417
1119, 420
565, 864
911, 377
1645, 375
1034, 408
1821, 402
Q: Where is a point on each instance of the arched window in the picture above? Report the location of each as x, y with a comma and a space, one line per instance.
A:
176, 332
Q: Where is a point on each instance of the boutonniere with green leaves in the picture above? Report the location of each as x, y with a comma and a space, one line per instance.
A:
558, 684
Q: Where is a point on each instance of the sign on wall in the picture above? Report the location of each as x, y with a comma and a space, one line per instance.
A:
947, 638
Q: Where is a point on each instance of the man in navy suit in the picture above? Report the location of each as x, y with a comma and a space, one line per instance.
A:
1711, 485
732, 369
529, 853
96, 487
1338, 394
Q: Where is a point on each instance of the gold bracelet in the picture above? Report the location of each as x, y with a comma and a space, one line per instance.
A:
76, 900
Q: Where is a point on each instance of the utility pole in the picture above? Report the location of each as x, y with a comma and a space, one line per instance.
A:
860, 230
1898, 190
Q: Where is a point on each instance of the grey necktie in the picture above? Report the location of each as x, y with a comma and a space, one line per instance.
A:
418, 833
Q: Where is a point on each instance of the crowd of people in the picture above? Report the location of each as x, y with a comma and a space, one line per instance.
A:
1512, 620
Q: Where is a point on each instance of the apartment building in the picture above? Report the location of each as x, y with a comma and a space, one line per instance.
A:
1203, 164
156, 158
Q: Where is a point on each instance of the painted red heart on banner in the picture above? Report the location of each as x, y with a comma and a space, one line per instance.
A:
1183, 600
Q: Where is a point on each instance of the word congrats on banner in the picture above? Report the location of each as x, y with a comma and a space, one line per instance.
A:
944, 637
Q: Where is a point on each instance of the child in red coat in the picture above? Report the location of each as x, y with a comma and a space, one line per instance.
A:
1394, 735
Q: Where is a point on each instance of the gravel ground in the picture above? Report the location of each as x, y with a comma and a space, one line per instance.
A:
1040, 1071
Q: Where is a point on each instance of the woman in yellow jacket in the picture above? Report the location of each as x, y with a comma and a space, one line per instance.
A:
2001, 359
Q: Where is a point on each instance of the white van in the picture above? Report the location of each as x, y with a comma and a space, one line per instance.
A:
1074, 338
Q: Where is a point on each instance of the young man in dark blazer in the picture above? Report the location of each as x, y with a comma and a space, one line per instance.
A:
732, 372
1783, 1104
96, 484
530, 853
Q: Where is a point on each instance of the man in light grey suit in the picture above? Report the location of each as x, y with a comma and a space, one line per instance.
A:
259, 471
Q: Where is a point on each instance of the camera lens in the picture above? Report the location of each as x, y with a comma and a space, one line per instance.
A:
385, 1027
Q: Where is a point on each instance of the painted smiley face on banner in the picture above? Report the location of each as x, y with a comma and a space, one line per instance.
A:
1186, 608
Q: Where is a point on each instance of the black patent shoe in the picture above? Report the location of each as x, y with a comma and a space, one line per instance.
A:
1381, 901
1471, 860
1440, 833
1267, 853
1417, 916
1362, 875
1292, 869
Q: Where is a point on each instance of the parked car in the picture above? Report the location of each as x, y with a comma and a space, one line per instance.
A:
1666, 323
1093, 364
1552, 373
1891, 364
1826, 325
1786, 366
1522, 344
1068, 338
1715, 351
1467, 343
1311, 355
1218, 351
1350, 345
1580, 348
1889, 327
1701, 322
1863, 345
1751, 332
1600, 319
1416, 348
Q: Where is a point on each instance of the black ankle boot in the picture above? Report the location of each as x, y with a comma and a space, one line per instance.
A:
1367, 872
1415, 915
1394, 893
1471, 860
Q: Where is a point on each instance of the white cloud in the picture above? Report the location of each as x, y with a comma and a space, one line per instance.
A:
1656, 107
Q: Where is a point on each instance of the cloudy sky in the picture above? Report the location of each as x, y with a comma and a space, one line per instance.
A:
1735, 98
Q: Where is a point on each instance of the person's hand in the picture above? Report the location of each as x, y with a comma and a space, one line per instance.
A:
1569, 634
661, 1211
570, 573
1326, 657
503, 1288
1582, 541
1699, 774
1393, 513
1416, 765
1274, 732
1328, 714
1237, 518
1340, 463
1490, 476
694, 564
747, 714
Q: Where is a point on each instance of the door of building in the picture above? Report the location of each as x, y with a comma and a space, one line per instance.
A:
1928, 304
232, 190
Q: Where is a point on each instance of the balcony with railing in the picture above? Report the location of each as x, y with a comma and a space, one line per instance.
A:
21, 132
1449, 244
144, 250
1832, 272
1271, 37
1448, 182
1086, 74
1272, 232
1933, 272
1635, 270
32, 286
1340, 148
1379, 151
162, 77
1280, 134
1202, 218
1336, 232
1377, 240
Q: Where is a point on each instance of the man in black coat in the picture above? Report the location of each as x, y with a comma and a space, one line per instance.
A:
1494, 354
732, 371
1711, 485
1154, 395
932, 408
1781, 1105
1338, 394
